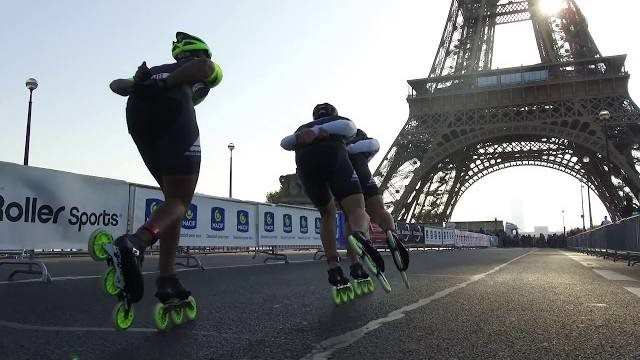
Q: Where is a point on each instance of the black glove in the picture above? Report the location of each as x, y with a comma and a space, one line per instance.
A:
143, 73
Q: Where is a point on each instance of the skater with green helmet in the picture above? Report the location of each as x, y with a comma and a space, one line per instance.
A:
162, 122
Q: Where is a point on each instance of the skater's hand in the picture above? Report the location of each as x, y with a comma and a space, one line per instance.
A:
143, 74
305, 137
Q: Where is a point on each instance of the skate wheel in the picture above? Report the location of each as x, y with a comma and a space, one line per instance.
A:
161, 317
351, 294
109, 282
397, 259
373, 269
405, 279
122, 317
384, 282
355, 245
191, 309
371, 286
98, 239
357, 290
177, 316
335, 296
344, 295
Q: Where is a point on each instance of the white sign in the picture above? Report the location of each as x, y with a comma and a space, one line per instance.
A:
288, 225
209, 221
48, 209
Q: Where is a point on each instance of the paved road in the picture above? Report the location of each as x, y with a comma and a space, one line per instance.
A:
469, 304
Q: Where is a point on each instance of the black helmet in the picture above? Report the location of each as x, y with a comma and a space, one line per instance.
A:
324, 110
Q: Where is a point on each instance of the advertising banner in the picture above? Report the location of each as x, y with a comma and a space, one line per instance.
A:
209, 221
48, 209
431, 236
288, 225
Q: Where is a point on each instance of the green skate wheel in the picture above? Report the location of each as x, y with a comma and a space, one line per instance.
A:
177, 316
161, 317
357, 290
355, 245
384, 282
335, 296
373, 269
344, 295
98, 239
351, 294
370, 285
109, 282
405, 279
191, 309
122, 318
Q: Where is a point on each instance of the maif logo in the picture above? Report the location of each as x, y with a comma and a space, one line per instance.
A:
318, 225
150, 206
304, 226
217, 219
190, 220
287, 223
268, 221
243, 221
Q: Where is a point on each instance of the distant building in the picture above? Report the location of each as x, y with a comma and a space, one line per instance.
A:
492, 227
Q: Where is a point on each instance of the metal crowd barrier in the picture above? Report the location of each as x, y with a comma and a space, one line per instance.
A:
616, 241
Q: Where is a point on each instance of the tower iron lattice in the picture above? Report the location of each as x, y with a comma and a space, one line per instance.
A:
467, 120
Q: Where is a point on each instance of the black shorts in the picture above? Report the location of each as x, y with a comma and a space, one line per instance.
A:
325, 171
360, 164
166, 134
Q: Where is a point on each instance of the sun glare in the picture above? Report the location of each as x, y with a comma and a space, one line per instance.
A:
551, 7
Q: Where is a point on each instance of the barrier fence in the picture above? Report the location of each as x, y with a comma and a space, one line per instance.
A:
44, 209
620, 240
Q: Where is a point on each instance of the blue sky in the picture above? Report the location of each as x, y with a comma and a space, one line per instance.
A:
279, 58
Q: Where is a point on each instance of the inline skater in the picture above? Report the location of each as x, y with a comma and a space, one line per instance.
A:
326, 173
361, 150
162, 122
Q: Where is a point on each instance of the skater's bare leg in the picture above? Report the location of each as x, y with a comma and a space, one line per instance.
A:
165, 222
328, 233
357, 218
379, 215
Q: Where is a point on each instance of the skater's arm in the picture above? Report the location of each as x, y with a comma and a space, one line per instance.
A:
197, 70
289, 142
342, 127
122, 87
370, 146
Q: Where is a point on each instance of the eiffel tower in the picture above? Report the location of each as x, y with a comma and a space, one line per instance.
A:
571, 112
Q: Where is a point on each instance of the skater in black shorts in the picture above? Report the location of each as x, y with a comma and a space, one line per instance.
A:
162, 122
361, 149
326, 173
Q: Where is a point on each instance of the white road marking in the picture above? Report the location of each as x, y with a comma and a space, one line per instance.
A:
82, 277
612, 275
580, 258
329, 346
634, 290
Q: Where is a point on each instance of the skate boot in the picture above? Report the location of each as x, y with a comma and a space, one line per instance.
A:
123, 278
176, 305
341, 290
369, 256
360, 281
400, 255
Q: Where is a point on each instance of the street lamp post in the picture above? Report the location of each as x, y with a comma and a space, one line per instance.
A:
231, 147
564, 231
586, 160
604, 116
31, 84
582, 205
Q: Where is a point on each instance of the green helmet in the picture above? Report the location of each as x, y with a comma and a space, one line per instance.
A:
186, 44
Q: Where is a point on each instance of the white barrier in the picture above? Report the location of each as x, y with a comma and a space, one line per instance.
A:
282, 225
210, 221
48, 209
